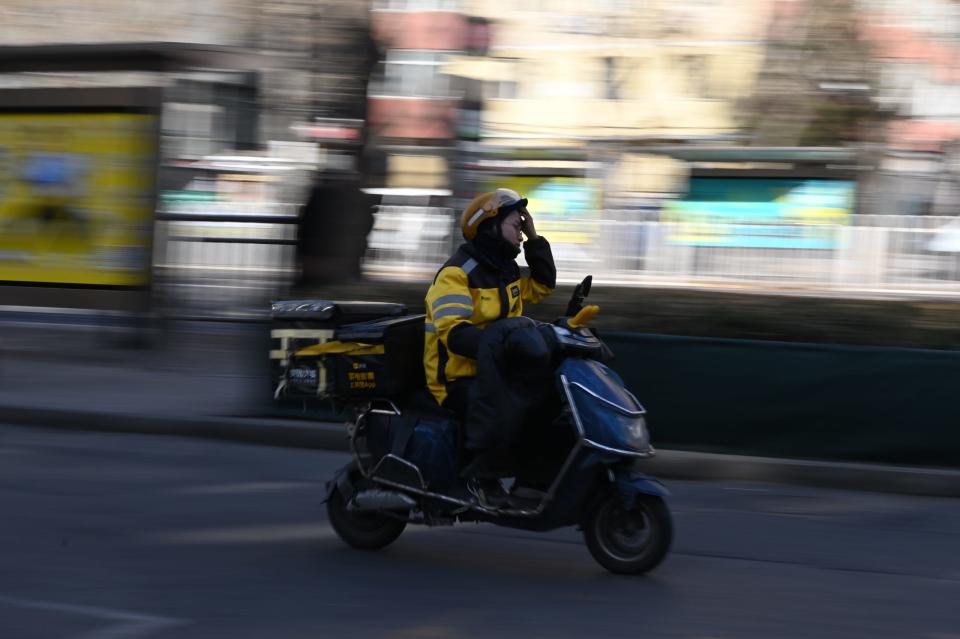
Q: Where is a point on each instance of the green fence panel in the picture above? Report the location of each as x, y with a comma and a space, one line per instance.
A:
795, 400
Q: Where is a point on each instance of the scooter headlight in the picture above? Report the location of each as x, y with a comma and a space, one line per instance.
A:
635, 433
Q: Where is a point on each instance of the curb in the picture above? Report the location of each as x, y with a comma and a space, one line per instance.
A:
268, 432
907, 480
671, 464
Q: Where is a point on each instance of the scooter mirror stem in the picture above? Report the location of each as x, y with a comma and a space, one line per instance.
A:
579, 293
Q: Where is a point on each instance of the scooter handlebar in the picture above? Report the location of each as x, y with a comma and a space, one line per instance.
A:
584, 317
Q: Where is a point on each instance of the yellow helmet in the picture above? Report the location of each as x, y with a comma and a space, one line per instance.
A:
487, 205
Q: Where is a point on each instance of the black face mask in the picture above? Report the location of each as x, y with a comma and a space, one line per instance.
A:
490, 241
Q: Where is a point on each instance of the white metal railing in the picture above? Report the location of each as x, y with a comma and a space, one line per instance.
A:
892, 254
409, 241
231, 265
223, 265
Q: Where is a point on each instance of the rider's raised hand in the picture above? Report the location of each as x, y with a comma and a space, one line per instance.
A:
526, 224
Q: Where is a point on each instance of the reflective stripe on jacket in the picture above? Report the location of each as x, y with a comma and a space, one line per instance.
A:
470, 289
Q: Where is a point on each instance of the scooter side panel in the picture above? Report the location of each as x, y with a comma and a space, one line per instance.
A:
602, 381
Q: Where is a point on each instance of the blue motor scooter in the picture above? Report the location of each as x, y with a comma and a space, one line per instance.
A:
598, 483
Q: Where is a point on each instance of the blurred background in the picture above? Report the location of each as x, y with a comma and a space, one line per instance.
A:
765, 191
220, 154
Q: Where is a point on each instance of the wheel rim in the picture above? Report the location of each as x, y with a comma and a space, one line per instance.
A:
625, 534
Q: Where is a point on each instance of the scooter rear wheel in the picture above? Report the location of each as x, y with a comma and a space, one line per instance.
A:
363, 530
629, 542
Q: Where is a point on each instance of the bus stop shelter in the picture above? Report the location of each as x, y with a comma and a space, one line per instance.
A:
80, 166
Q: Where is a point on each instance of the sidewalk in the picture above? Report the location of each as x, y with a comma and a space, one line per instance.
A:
211, 380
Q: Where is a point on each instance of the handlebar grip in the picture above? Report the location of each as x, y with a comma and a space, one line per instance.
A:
586, 314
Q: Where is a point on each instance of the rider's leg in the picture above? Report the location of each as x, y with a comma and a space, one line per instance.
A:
475, 466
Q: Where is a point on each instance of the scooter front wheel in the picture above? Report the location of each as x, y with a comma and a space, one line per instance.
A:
629, 541
363, 530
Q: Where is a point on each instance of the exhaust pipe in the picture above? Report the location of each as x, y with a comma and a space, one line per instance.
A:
378, 499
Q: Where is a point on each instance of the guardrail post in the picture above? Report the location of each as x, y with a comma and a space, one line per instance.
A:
861, 260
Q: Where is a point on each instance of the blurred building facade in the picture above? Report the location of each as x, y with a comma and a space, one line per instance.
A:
583, 74
916, 48
617, 69
527, 71
220, 22
413, 102
313, 58
203, 112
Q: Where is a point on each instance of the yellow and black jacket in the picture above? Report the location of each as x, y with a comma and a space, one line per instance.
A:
470, 291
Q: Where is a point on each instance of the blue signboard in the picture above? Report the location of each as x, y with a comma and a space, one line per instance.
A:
761, 213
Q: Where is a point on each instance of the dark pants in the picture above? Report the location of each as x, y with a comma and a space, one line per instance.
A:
460, 395
475, 461
533, 458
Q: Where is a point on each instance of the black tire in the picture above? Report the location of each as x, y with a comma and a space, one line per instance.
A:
629, 542
363, 530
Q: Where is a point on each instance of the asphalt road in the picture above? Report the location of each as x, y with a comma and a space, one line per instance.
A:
110, 536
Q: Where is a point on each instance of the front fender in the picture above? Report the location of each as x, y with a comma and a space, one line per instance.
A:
630, 486
342, 481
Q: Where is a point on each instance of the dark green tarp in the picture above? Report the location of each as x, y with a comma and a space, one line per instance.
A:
796, 400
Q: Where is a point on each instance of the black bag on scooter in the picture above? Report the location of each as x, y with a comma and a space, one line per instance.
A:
430, 441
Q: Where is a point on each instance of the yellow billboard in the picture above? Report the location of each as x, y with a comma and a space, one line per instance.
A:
76, 197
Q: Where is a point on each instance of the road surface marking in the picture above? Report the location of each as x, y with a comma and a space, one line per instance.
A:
125, 624
250, 487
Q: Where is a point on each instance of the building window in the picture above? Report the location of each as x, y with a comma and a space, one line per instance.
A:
612, 80
413, 74
417, 5
697, 71
501, 90
192, 129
